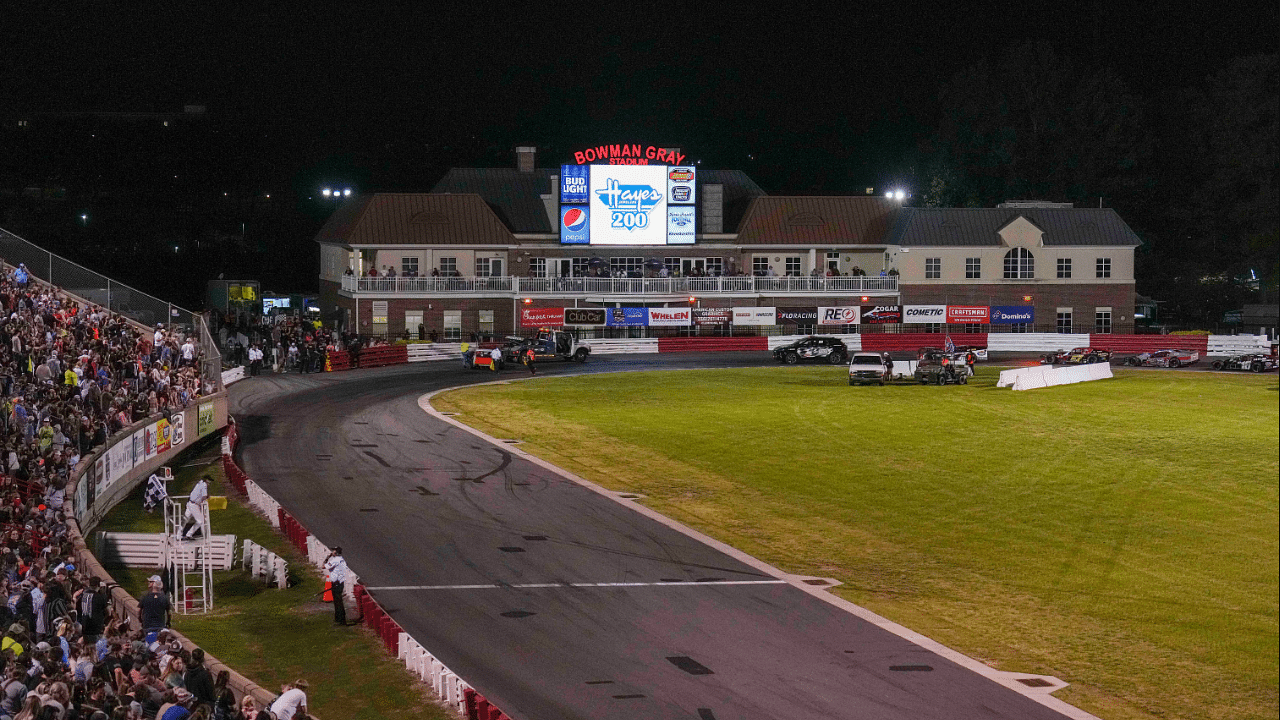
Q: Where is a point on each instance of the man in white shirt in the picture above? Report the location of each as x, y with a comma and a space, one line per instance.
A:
335, 572
196, 508
188, 352
291, 699
255, 360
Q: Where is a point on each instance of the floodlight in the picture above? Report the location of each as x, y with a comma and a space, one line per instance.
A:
326, 192
347, 192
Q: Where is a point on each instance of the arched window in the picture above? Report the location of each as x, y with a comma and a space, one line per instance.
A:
1019, 264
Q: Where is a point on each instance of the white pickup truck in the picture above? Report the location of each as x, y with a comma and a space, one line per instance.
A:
872, 368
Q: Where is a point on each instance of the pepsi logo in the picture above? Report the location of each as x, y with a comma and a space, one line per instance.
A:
574, 219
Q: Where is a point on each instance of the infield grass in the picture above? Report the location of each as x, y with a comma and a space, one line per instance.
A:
1121, 534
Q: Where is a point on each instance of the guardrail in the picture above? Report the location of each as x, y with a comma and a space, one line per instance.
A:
512, 285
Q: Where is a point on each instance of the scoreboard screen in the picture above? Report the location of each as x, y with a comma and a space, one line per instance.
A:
627, 204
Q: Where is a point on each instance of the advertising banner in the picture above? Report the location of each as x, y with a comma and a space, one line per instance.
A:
881, 314
628, 205
712, 316
968, 314
204, 421
755, 316
924, 314
847, 315
1012, 314
670, 317
540, 317
681, 189
573, 184
584, 316
680, 225
798, 316
178, 429
575, 225
628, 317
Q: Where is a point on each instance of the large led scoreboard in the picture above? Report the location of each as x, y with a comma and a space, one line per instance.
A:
627, 204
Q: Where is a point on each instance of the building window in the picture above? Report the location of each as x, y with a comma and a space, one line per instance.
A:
715, 266
412, 319
1020, 327
973, 327
449, 266
486, 322
452, 324
793, 266
833, 261
932, 268
627, 266
1104, 267
1064, 268
672, 265
483, 266
580, 266
933, 327
409, 266
972, 268
759, 266
1064, 321
537, 267
1019, 264
1102, 321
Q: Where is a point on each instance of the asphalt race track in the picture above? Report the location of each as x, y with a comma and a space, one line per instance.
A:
554, 601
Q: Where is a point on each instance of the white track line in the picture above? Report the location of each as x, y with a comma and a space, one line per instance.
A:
522, 586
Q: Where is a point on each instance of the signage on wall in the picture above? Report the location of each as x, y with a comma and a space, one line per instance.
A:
628, 317
754, 316
881, 314
847, 315
575, 226
649, 203
539, 317
797, 316
959, 314
1012, 314
924, 314
712, 316
670, 317
584, 316
573, 184
628, 155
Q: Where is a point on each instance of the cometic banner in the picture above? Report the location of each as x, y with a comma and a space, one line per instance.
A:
754, 316
959, 314
1012, 314
670, 317
881, 314
539, 317
584, 316
847, 315
924, 313
628, 317
712, 316
798, 316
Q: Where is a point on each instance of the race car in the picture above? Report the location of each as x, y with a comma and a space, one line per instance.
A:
1163, 358
1077, 356
1255, 362
814, 348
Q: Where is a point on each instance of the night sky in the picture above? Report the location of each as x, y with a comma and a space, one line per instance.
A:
805, 100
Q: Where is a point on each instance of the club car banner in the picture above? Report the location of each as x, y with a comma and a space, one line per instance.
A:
848, 315
540, 317
755, 316
968, 314
881, 314
798, 316
670, 317
924, 313
712, 316
1012, 314
584, 316
628, 317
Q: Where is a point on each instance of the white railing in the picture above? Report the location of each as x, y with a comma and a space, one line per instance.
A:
265, 565
618, 286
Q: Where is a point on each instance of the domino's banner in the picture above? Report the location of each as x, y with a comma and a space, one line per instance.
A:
628, 317
575, 225
1012, 314
573, 184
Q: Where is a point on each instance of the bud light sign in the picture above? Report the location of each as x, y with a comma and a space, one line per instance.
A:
573, 184
1012, 314
628, 204
575, 225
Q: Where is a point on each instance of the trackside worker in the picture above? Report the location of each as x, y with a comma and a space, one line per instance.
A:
496, 356
530, 357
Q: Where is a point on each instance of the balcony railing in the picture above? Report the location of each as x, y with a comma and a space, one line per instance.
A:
618, 286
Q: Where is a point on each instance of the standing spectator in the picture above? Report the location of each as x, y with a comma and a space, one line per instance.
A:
153, 606
92, 606
335, 571
197, 678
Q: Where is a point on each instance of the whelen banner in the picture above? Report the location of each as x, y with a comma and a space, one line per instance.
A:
754, 316
848, 315
670, 317
540, 317
798, 316
1012, 314
924, 313
881, 314
712, 316
959, 314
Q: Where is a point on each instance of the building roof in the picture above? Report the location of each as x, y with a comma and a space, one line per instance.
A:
853, 220
415, 219
924, 227
515, 197
739, 191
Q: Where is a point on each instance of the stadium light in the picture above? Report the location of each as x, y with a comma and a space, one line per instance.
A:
1026, 298
865, 298
528, 301
347, 192
692, 299
326, 192
899, 195
84, 218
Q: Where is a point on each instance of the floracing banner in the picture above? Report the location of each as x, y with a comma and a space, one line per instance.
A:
584, 316
924, 313
1012, 314
712, 316
847, 315
538, 317
968, 314
881, 314
798, 316
754, 316
670, 317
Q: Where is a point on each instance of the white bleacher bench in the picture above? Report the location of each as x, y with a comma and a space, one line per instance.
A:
147, 550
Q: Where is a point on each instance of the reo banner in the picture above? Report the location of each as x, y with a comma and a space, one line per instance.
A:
712, 316
881, 314
584, 316
754, 316
670, 317
798, 316
960, 314
1012, 314
540, 317
924, 313
847, 315
628, 317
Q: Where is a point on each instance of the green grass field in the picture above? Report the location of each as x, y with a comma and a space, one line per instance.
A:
1121, 535
275, 636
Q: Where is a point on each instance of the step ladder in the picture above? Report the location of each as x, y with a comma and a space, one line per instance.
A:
188, 560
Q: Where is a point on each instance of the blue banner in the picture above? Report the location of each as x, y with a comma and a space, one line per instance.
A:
1012, 314
628, 317
574, 180
575, 225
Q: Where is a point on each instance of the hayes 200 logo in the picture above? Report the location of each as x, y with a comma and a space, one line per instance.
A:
629, 205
